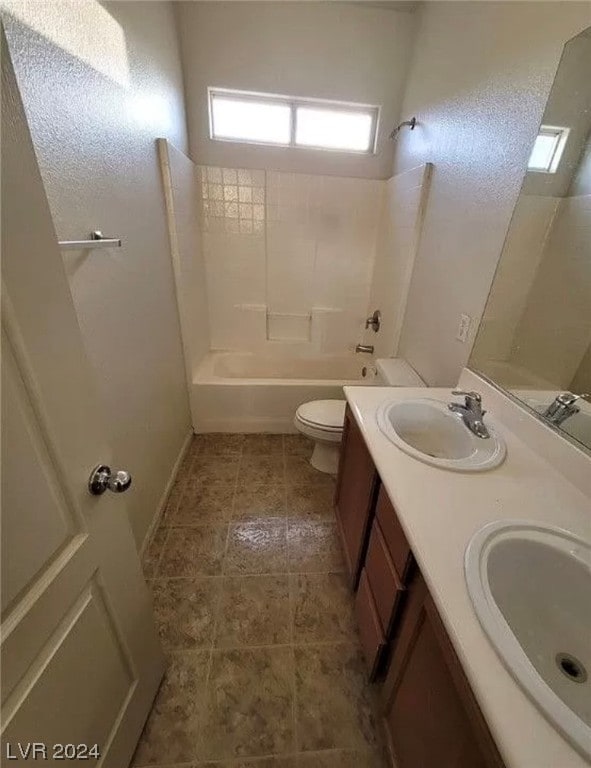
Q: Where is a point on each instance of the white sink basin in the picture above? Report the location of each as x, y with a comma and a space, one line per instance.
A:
429, 431
531, 589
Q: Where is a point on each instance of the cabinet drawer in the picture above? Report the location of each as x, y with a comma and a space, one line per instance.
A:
394, 536
372, 637
383, 579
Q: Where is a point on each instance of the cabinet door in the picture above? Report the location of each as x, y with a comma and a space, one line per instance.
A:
431, 714
383, 578
398, 546
372, 637
357, 484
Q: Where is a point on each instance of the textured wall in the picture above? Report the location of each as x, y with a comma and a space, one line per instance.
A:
478, 83
331, 50
99, 84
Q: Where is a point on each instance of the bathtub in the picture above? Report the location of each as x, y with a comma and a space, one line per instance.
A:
251, 392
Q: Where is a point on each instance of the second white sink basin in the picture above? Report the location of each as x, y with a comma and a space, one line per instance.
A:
531, 589
429, 431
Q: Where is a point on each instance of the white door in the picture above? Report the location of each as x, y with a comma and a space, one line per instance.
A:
81, 660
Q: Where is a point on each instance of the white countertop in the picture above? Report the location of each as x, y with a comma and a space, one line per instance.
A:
440, 511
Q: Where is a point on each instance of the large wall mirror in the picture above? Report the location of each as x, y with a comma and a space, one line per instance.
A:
535, 336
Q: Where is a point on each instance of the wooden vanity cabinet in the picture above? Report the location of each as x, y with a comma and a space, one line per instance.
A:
357, 484
430, 712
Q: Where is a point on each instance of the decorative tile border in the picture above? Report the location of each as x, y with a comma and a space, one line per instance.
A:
233, 200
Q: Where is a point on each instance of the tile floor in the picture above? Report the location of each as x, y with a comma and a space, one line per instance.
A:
265, 669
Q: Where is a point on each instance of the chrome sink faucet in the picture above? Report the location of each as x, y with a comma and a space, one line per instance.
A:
562, 407
471, 412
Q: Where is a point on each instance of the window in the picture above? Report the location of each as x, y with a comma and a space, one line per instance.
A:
548, 148
288, 122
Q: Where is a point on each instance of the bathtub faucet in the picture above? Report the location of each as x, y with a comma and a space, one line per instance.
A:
364, 348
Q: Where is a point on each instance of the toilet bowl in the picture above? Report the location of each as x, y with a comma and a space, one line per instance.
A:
322, 421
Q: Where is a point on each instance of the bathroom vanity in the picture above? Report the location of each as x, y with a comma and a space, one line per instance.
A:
447, 699
430, 712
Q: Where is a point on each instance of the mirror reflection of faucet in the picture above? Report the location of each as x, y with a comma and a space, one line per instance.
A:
562, 407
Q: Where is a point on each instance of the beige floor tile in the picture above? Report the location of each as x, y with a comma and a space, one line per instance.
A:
297, 445
313, 546
254, 610
334, 709
322, 608
249, 704
172, 501
299, 471
204, 505
366, 758
256, 502
249, 762
186, 464
263, 445
256, 547
253, 762
261, 470
246, 709
194, 551
151, 559
207, 469
264, 762
185, 611
310, 501
173, 727
218, 444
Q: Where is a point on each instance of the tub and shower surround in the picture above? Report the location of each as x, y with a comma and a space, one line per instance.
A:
280, 271
261, 391
289, 258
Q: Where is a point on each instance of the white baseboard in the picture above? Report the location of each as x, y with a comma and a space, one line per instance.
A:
167, 489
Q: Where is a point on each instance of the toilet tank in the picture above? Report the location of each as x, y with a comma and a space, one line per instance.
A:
396, 372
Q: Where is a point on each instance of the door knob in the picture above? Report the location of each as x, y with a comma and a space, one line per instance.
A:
103, 479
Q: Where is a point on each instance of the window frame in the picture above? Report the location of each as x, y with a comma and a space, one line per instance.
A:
294, 103
560, 133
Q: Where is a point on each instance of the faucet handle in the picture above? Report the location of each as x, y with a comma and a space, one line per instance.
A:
474, 397
567, 398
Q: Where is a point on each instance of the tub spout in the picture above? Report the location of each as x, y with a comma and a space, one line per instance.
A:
368, 348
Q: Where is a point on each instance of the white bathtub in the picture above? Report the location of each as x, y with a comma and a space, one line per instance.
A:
250, 392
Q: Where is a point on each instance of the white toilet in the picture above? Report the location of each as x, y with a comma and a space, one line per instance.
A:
322, 420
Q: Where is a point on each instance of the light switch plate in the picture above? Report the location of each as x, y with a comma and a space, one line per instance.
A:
463, 328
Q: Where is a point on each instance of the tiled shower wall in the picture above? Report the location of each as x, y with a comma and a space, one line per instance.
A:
289, 258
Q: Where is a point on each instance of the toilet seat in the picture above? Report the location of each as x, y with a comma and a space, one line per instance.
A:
324, 415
